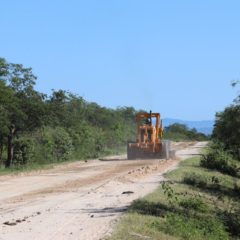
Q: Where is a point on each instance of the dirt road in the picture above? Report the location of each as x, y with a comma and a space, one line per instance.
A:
80, 200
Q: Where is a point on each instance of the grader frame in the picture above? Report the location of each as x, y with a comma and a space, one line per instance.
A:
149, 143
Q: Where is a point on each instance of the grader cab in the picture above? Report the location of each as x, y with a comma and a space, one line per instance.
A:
149, 143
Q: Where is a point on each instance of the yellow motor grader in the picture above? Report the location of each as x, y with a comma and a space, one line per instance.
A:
149, 143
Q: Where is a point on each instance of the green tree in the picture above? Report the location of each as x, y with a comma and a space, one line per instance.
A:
25, 108
227, 129
56, 108
6, 96
62, 147
227, 126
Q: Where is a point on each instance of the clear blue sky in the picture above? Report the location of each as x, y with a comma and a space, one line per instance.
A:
174, 57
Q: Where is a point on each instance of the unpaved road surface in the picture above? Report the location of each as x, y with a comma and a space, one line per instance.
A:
80, 200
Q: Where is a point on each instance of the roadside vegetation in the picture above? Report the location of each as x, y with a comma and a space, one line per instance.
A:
180, 132
38, 129
199, 200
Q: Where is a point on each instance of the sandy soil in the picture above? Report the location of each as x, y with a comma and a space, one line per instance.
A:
80, 200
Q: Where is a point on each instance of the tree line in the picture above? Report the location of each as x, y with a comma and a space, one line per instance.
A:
226, 130
180, 132
40, 128
35, 127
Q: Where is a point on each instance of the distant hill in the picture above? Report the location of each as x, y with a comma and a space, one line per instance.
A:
205, 126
